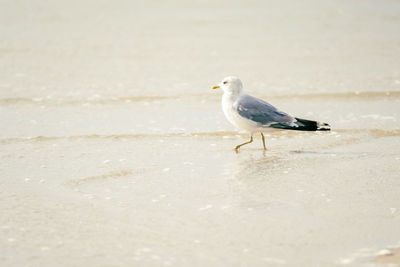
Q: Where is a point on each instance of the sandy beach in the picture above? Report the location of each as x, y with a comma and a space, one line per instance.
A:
115, 152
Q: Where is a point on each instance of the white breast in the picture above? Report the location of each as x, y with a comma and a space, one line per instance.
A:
233, 116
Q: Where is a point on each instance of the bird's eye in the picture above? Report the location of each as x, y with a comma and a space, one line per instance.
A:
225, 82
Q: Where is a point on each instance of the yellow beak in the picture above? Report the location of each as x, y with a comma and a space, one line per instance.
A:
215, 87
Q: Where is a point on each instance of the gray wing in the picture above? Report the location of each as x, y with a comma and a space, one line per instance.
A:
262, 112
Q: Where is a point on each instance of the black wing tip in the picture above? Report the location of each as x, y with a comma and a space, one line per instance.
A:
303, 125
323, 126
308, 125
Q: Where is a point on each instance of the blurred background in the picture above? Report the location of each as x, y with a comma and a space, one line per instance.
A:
63, 53
128, 48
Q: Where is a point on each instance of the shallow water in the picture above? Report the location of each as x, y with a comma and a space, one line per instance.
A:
114, 152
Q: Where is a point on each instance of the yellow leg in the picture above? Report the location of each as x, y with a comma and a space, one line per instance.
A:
248, 142
263, 138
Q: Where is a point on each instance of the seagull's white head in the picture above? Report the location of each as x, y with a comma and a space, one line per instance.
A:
230, 85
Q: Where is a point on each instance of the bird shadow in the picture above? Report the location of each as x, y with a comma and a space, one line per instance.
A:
327, 153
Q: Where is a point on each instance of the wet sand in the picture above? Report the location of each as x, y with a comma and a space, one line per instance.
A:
389, 257
115, 152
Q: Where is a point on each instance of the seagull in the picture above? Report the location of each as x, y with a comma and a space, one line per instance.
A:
254, 115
